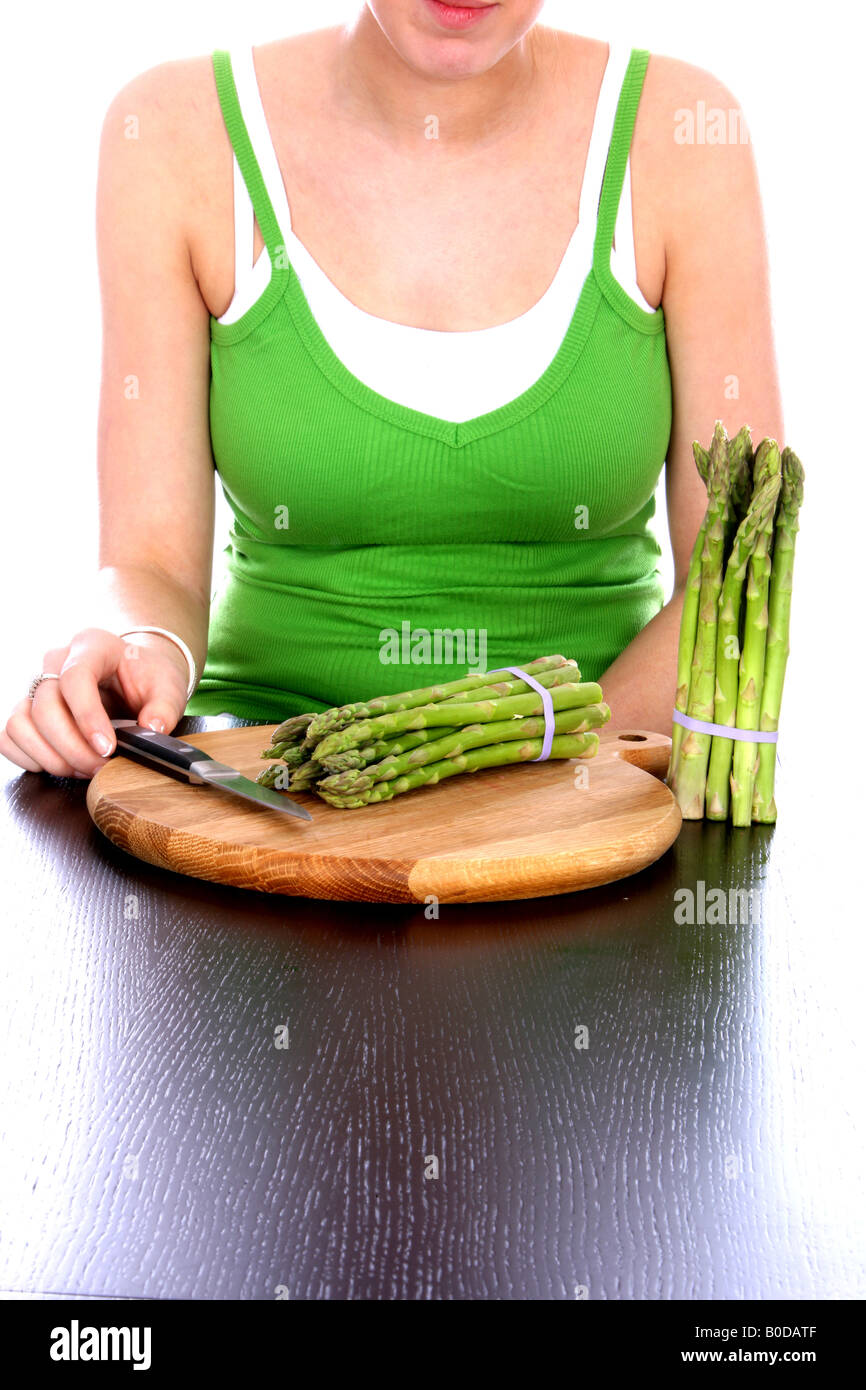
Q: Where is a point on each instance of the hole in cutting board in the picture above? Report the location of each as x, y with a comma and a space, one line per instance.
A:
632, 738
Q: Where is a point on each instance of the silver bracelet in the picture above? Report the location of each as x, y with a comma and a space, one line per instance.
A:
178, 642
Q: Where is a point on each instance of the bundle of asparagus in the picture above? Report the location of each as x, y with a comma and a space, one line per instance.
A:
373, 750
732, 654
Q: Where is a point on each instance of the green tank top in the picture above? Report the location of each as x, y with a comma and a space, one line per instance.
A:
375, 548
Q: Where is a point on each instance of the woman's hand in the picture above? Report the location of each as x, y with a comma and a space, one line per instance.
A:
66, 728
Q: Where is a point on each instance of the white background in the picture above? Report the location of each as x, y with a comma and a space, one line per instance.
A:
795, 70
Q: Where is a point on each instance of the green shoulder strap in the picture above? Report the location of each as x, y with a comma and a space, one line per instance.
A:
617, 156
249, 165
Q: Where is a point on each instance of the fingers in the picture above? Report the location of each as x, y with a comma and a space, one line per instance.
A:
14, 752
54, 723
92, 657
159, 716
154, 686
23, 744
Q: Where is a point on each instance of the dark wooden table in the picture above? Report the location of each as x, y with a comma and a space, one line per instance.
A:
706, 1142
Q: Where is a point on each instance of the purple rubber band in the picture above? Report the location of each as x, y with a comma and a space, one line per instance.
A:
700, 726
546, 705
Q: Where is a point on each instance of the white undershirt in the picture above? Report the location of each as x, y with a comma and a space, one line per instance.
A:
454, 376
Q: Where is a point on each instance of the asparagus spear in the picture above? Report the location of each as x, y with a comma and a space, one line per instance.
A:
287, 778
751, 674
304, 777
741, 460
342, 715
292, 754
702, 460
572, 721
686, 649
776, 658
759, 518
381, 748
478, 712
688, 777
497, 755
512, 686
269, 775
291, 730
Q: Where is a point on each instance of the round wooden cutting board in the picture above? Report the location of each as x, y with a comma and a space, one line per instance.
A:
522, 831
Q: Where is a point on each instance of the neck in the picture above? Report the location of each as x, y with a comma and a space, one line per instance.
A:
373, 84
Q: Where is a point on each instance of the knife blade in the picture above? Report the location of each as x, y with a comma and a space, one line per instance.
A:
188, 764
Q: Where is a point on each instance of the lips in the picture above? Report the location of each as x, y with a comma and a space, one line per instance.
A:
459, 16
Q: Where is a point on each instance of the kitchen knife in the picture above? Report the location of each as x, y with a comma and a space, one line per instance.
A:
178, 759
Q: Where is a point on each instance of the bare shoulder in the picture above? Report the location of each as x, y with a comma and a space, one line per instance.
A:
181, 88
691, 151
175, 105
182, 165
691, 128
671, 83
165, 102
682, 104
168, 118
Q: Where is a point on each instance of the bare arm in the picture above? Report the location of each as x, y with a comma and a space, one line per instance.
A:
156, 486
154, 456
716, 301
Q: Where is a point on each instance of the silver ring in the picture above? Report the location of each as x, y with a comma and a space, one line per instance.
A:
37, 680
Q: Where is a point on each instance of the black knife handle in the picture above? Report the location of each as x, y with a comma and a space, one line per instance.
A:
161, 750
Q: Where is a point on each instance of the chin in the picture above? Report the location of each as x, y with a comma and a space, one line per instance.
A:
435, 53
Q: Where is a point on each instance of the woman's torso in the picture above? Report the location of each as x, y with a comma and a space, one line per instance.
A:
394, 520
